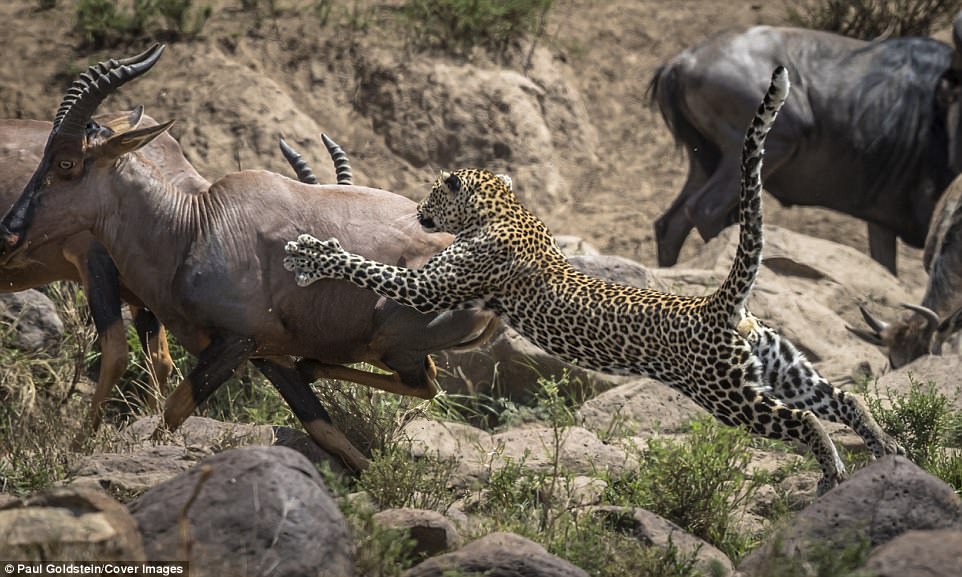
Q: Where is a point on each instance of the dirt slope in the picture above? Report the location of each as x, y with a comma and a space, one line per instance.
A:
573, 127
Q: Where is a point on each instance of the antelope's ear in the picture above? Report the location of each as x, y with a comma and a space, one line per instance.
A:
129, 141
125, 122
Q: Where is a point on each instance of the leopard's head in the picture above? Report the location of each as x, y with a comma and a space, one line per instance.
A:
461, 199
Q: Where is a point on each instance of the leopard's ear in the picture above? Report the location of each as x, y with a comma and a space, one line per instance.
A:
506, 180
452, 182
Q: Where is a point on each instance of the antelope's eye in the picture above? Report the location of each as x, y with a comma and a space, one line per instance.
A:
453, 183
66, 164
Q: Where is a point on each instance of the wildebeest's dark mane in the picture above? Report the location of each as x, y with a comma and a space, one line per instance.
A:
897, 99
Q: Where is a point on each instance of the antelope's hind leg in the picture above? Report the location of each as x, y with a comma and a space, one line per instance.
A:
297, 392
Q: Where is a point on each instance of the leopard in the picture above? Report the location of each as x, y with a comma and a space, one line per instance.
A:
710, 347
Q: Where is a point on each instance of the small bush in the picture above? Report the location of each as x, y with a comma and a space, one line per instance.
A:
698, 483
923, 422
396, 479
460, 25
870, 19
104, 24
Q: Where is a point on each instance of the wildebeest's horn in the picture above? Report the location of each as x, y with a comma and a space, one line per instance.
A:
297, 162
946, 329
87, 92
932, 319
877, 325
342, 165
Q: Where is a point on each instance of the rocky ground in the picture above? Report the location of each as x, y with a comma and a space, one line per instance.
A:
568, 119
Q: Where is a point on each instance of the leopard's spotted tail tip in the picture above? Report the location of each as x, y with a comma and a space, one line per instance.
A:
780, 86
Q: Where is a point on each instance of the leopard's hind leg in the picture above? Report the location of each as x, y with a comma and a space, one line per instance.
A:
793, 380
737, 397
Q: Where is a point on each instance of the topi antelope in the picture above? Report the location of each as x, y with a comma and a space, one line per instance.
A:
81, 258
209, 265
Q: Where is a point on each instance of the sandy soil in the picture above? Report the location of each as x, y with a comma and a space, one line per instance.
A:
606, 51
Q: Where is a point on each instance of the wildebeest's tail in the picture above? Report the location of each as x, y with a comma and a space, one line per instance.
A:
731, 296
664, 92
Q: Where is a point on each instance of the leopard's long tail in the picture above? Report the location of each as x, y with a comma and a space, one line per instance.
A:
730, 297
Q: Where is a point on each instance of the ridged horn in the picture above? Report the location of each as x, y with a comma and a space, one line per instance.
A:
89, 90
342, 166
932, 319
297, 162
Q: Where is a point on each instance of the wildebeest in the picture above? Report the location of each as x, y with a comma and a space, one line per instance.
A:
870, 133
938, 315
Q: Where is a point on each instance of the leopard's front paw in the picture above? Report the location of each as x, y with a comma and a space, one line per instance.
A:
311, 259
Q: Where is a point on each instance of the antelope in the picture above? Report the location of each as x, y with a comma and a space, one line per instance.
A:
938, 316
209, 265
81, 258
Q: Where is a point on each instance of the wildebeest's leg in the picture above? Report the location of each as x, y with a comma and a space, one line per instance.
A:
101, 282
711, 208
215, 364
793, 380
881, 246
310, 412
673, 226
153, 338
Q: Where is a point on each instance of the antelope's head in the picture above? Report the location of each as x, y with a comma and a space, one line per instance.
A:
75, 141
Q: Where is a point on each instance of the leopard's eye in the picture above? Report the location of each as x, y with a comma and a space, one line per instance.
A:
453, 183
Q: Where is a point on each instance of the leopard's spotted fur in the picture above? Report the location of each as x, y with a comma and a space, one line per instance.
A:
711, 348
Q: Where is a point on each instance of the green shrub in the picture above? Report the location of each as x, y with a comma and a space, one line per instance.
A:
870, 19
460, 25
924, 422
698, 483
103, 23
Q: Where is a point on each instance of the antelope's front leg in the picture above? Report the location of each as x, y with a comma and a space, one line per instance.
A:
311, 259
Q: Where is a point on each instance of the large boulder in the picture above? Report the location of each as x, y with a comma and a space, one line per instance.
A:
655, 531
67, 524
880, 502
935, 553
497, 555
432, 532
33, 321
257, 510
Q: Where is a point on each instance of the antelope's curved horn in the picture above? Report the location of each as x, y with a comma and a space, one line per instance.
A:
932, 319
89, 90
297, 162
342, 165
876, 325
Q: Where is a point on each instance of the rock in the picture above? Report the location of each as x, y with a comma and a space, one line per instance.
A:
641, 408
69, 524
497, 555
919, 554
431, 531
880, 502
133, 472
572, 245
33, 316
262, 509
808, 289
653, 530
943, 371
612, 267
581, 451
203, 435
478, 453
